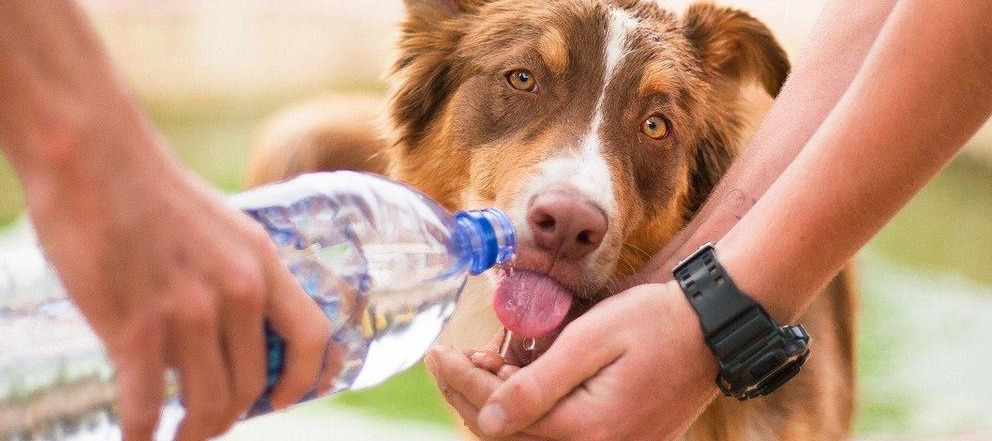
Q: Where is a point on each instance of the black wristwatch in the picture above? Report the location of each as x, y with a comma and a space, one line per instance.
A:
755, 354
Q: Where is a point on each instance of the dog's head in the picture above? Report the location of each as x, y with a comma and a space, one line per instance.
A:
600, 126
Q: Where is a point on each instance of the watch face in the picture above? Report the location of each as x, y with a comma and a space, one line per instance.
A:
783, 355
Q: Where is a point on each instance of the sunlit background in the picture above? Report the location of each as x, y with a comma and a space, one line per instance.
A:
209, 71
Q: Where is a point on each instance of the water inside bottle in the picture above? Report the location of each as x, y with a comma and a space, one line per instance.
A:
382, 267
381, 284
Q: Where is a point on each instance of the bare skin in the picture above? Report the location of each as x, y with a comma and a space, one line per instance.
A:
167, 274
874, 140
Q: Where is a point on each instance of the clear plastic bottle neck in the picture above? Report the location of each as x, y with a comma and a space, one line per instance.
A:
487, 237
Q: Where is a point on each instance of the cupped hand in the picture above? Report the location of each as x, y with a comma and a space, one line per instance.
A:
169, 276
633, 367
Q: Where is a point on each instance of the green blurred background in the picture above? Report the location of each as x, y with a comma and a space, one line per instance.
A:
209, 72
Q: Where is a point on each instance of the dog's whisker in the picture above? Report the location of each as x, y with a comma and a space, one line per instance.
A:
613, 284
626, 261
637, 249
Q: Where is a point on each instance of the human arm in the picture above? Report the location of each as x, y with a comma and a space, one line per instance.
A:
165, 272
889, 134
923, 92
836, 50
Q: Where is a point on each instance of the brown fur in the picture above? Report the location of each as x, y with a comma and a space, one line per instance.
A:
459, 134
333, 133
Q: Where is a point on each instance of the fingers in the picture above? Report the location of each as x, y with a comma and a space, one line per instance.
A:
534, 390
491, 362
487, 360
140, 371
454, 370
244, 347
195, 350
333, 363
304, 328
506, 371
465, 387
465, 409
470, 413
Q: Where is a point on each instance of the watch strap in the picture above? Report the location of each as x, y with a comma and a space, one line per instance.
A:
711, 292
755, 354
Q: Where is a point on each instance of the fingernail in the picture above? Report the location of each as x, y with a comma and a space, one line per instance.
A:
492, 419
476, 356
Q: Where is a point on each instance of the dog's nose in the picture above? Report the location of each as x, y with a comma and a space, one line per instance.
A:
566, 223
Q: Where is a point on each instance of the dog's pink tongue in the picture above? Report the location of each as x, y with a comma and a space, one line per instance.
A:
531, 305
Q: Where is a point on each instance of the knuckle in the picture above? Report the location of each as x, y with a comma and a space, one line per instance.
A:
318, 338
245, 287
447, 393
525, 394
198, 317
310, 339
259, 240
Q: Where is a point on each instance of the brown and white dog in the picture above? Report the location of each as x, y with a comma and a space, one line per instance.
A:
600, 126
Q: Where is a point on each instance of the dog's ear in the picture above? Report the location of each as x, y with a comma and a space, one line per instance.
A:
422, 72
736, 46
735, 49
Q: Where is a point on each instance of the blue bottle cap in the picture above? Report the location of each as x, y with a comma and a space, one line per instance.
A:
491, 238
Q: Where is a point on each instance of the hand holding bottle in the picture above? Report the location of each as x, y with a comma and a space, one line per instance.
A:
167, 274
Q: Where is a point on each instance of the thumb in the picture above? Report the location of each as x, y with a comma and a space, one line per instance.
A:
533, 391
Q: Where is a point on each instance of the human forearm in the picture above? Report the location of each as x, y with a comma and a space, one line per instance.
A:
923, 92
838, 45
61, 103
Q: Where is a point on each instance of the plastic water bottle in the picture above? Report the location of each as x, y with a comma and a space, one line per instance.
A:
384, 262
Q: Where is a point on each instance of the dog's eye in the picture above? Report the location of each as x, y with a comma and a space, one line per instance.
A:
656, 127
522, 79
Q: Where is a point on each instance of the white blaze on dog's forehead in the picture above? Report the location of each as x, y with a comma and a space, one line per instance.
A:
586, 169
591, 172
621, 26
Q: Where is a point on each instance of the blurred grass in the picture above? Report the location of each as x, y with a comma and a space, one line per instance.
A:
948, 225
410, 395
213, 141
923, 350
11, 197
880, 410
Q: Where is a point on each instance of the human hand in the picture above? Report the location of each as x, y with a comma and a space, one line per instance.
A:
169, 276
166, 273
633, 367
